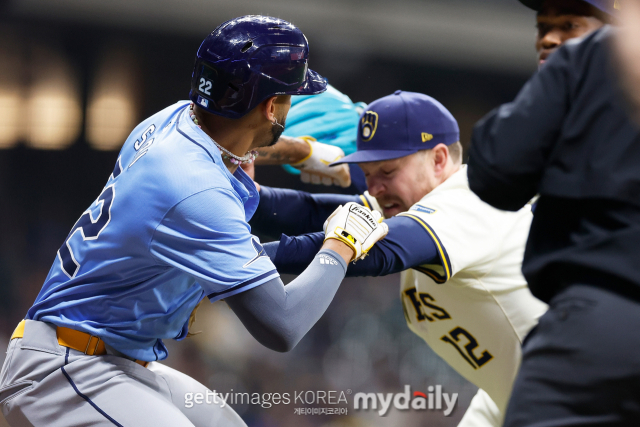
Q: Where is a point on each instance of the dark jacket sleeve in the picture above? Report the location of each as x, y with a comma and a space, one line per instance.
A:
294, 212
510, 146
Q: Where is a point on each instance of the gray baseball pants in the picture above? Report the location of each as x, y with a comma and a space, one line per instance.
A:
45, 384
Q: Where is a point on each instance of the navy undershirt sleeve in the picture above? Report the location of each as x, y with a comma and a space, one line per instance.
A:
294, 212
407, 245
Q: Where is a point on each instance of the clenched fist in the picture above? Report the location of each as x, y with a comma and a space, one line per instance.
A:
357, 227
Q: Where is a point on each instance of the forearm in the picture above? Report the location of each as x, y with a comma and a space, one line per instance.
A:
286, 151
406, 245
294, 212
278, 316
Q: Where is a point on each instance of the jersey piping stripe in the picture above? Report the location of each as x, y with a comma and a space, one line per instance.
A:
243, 284
96, 407
191, 139
438, 278
444, 257
364, 201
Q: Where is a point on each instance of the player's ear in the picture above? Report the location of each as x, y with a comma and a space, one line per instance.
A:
269, 108
440, 157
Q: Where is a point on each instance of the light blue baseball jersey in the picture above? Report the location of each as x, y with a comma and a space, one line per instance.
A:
169, 228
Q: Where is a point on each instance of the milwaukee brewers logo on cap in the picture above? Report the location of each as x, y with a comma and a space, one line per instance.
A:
399, 125
368, 125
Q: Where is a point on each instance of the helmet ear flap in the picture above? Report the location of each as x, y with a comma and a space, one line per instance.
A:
220, 89
247, 59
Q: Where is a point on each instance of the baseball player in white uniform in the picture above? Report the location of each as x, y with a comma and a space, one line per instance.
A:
478, 319
461, 285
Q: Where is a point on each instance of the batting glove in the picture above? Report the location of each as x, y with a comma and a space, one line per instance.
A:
315, 168
357, 227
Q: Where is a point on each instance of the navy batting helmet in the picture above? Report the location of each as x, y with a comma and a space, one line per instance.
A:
607, 6
248, 59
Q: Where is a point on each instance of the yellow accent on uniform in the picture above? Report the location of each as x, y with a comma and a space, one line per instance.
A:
426, 137
441, 251
490, 306
369, 201
364, 201
439, 279
19, 331
76, 340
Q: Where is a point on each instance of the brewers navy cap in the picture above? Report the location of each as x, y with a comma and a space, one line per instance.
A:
401, 124
610, 7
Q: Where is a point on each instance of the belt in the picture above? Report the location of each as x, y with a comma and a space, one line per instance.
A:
77, 340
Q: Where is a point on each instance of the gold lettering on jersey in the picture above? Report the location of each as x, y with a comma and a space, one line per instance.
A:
426, 137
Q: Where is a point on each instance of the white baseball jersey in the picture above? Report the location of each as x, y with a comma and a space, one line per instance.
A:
475, 309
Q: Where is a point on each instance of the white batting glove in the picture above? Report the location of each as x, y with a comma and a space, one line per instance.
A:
357, 227
315, 168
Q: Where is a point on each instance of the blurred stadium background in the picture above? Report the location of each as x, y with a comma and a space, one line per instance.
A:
77, 75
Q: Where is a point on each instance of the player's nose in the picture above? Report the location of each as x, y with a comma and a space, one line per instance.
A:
375, 188
551, 40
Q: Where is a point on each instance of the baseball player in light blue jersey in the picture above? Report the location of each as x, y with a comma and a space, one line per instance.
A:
169, 229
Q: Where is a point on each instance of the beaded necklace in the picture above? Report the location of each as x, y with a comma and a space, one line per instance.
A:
226, 154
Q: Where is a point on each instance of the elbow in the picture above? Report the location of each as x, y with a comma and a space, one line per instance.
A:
281, 344
511, 199
507, 197
502, 190
283, 347
280, 338
504, 202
